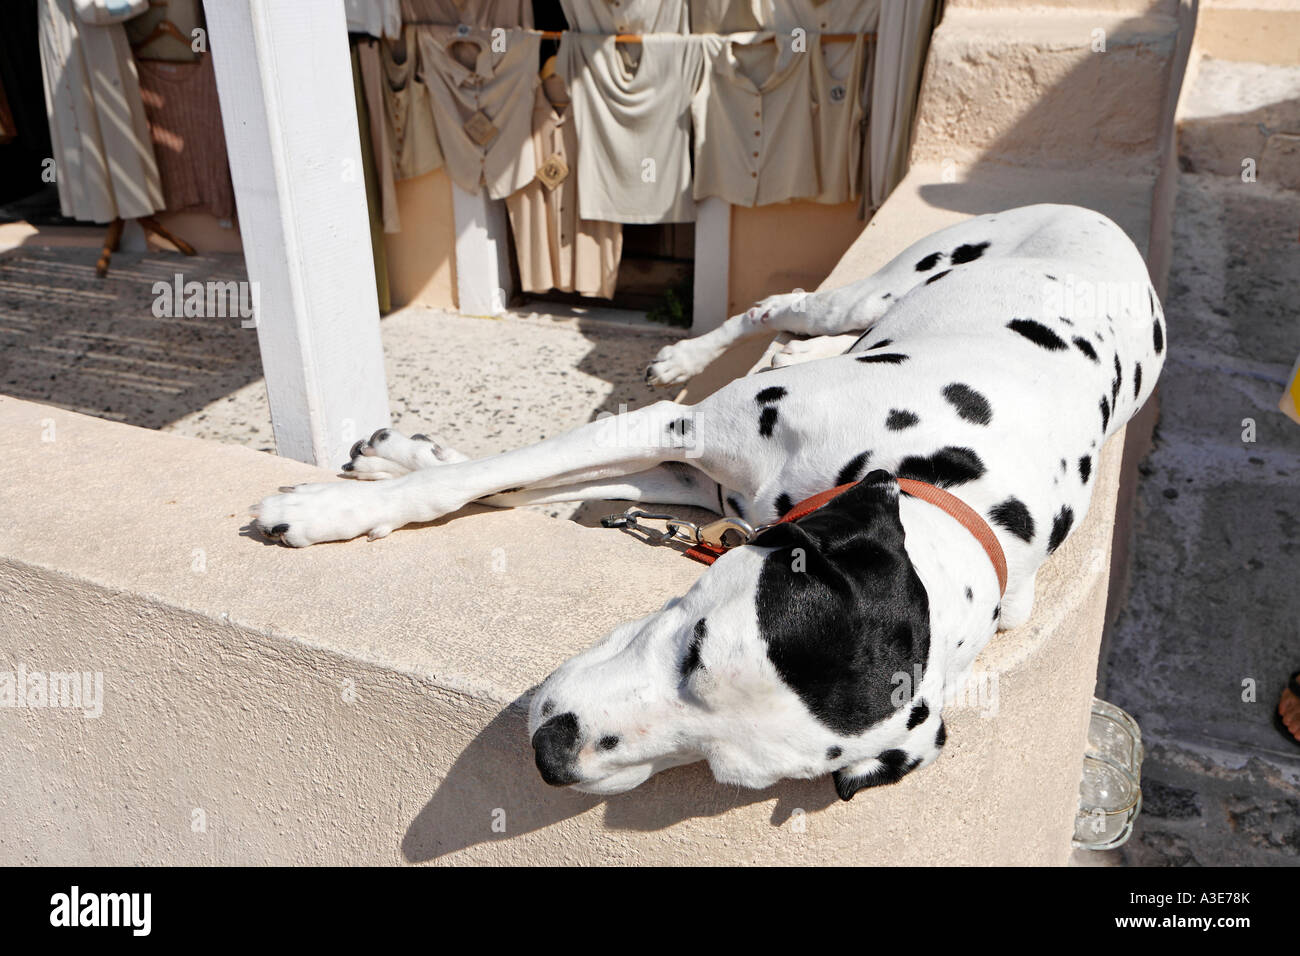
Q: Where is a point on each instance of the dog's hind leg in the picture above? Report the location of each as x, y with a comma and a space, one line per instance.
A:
605, 449
672, 483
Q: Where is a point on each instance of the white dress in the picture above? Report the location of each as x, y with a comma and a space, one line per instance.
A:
103, 154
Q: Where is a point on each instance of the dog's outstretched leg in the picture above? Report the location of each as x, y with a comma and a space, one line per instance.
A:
608, 448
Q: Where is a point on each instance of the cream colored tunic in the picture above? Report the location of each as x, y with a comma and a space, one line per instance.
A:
103, 153
499, 89
754, 124
839, 119
474, 13
626, 16
726, 16
820, 16
556, 248
633, 123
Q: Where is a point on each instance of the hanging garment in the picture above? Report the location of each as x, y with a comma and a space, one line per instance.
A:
483, 112
378, 249
754, 123
150, 40
555, 247
400, 113
378, 18
839, 118
819, 16
626, 16
180, 101
903, 38
725, 16
472, 13
633, 121
104, 160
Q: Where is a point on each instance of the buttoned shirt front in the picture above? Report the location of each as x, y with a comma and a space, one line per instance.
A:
483, 113
754, 122
555, 247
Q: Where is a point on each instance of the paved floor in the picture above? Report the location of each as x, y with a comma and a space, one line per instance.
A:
484, 385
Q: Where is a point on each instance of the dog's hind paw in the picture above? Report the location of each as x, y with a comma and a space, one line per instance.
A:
390, 454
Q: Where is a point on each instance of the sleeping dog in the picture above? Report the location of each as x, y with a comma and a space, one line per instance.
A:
983, 368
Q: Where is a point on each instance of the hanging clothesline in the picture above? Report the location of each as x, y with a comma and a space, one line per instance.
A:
636, 37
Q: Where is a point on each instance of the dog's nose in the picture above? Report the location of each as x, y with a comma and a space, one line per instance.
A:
556, 743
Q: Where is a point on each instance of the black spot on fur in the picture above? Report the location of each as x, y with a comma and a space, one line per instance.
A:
280, 528
941, 735
920, 713
899, 419
1037, 333
1061, 525
783, 504
511, 491
1105, 413
881, 344
772, 394
736, 505
1085, 468
1116, 382
681, 427
937, 276
1052, 277
1137, 379
691, 662
997, 611
929, 262
970, 595
548, 708
967, 253
1084, 346
833, 753
420, 437
1157, 336
886, 358
946, 467
853, 613
853, 470
1014, 517
970, 404
608, 742
894, 766
767, 421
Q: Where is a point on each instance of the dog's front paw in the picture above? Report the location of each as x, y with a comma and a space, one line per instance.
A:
329, 511
677, 363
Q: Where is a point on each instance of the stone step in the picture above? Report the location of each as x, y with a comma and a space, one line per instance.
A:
1242, 116
1040, 91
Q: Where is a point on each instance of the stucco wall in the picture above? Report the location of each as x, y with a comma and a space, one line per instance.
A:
362, 702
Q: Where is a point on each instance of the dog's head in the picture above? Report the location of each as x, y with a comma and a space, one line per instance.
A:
796, 656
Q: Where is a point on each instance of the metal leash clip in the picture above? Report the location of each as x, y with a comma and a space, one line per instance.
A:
722, 534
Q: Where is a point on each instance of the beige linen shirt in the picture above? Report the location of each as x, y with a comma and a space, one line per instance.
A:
555, 247
626, 16
754, 124
473, 13
498, 88
820, 16
633, 123
839, 118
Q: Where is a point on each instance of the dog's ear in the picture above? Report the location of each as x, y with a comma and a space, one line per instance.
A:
840, 608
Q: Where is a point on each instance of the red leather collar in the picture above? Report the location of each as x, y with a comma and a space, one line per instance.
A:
963, 513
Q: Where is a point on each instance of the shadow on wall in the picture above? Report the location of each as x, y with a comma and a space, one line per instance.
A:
496, 771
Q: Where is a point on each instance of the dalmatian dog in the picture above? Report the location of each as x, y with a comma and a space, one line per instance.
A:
990, 360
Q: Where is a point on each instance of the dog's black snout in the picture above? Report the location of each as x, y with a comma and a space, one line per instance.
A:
556, 744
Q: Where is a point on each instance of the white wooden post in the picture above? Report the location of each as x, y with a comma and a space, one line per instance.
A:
482, 260
284, 78
712, 264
